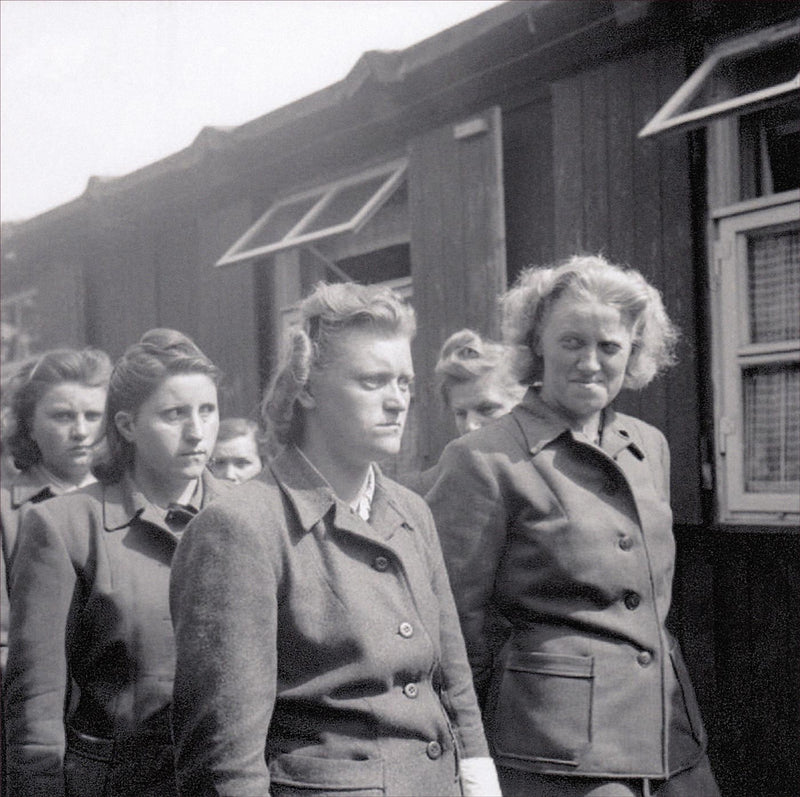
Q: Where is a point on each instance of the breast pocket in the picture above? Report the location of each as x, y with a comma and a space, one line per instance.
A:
543, 708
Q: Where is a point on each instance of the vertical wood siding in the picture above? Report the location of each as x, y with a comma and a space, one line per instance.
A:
457, 252
630, 200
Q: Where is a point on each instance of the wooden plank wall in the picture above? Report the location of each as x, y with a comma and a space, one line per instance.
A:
629, 199
457, 252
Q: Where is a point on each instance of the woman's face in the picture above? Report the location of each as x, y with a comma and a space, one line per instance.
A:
67, 423
173, 431
357, 405
237, 459
585, 346
476, 402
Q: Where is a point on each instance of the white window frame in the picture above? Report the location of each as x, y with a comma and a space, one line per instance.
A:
733, 353
673, 114
394, 173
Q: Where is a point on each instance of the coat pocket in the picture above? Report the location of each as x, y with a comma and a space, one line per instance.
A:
544, 708
293, 774
87, 764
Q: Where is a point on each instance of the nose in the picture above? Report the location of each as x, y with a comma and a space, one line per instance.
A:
80, 428
228, 472
589, 360
472, 422
193, 428
396, 397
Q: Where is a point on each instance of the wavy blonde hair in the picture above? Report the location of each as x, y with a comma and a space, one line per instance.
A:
329, 311
590, 278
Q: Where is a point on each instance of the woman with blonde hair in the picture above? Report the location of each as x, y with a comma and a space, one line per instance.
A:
557, 531
328, 598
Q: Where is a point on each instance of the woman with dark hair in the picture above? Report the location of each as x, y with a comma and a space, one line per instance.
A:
53, 426
89, 588
240, 452
557, 531
318, 644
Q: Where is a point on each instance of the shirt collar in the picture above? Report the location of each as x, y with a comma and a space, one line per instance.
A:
541, 425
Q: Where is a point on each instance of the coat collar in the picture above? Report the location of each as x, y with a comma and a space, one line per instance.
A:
541, 425
30, 485
123, 502
313, 498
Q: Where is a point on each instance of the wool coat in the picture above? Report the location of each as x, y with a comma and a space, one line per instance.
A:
30, 486
89, 590
317, 651
561, 558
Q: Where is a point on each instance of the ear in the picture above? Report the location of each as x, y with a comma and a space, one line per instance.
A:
307, 401
124, 423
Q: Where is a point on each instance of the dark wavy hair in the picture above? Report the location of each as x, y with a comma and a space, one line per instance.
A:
325, 314
89, 367
160, 353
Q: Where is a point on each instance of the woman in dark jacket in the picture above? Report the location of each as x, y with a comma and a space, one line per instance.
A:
52, 430
557, 532
318, 644
89, 589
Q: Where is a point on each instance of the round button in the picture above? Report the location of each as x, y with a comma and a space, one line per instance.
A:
632, 600
410, 690
381, 563
406, 630
644, 658
626, 543
434, 750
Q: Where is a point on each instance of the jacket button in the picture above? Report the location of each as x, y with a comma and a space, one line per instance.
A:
410, 691
434, 750
632, 600
626, 543
644, 658
381, 563
406, 630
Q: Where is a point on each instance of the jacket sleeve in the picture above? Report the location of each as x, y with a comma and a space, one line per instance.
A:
459, 693
470, 515
42, 587
223, 599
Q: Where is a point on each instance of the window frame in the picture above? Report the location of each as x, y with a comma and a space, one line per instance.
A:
394, 172
733, 354
672, 117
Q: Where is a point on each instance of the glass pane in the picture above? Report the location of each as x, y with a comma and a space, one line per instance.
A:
280, 221
773, 260
744, 73
345, 204
772, 428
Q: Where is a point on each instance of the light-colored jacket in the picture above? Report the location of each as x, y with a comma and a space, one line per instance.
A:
89, 597
561, 558
317, 651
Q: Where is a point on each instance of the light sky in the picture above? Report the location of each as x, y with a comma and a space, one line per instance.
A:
103, 87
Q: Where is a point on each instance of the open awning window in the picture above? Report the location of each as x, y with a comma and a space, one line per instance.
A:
343, 206
744, 74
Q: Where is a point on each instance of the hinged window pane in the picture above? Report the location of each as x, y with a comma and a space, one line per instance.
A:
339, 207
746, 73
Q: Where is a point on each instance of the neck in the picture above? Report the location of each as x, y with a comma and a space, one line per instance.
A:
346, 478
162, 494
66, 483
591, 425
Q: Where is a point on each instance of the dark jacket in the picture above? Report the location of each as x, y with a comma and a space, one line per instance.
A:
317, 651
561, 558
91, 578
27, 487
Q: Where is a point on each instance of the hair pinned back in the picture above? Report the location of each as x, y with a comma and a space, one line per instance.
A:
590, 278
160, 353
88, 367
466, 356
325, 314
